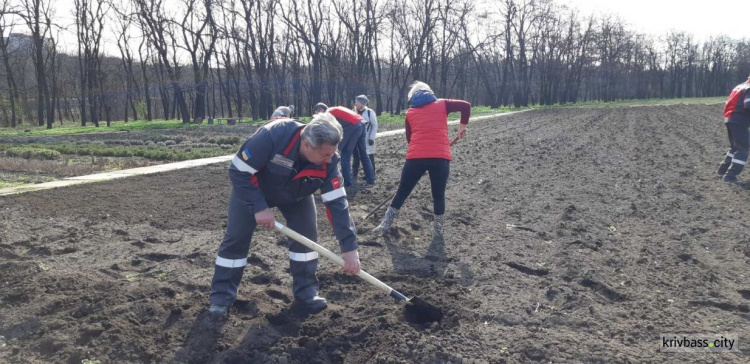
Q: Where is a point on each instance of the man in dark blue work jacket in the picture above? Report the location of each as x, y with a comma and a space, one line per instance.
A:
281, 166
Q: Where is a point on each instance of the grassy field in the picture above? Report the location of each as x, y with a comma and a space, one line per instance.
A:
74, 128
71, 128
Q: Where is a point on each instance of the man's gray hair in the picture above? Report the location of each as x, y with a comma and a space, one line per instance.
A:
323, 129
282, 111
418, 86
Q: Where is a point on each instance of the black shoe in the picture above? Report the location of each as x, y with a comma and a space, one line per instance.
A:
218, 310
733, 180
722, 169
314, 305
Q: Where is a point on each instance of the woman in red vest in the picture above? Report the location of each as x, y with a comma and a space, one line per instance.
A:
428, 151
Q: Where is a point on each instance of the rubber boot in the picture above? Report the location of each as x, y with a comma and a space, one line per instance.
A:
439, 226
390, 215
315, 304
218, 310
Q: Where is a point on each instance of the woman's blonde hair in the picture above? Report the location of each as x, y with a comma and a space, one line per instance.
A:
418, 86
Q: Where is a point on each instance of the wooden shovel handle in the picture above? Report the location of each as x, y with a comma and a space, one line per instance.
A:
330, 255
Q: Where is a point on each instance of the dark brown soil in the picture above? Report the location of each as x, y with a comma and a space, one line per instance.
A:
574, 235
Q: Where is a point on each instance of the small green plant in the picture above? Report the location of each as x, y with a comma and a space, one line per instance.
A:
225, 140
32, 153
159, 153
132, 277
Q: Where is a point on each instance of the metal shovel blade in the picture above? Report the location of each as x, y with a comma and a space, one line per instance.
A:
418, 311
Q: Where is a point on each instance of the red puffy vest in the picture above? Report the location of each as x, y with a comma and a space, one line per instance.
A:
429, 131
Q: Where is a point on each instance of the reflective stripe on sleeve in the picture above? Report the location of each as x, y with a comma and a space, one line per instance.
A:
242, 166
330, 196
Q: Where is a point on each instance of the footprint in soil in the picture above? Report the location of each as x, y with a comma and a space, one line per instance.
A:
264, 279
196, 255
726, 306
23, 330
8, 253
15, 298
138, 244
158, 257
288, 320
201, 340
68, 250
278, 295
257, 261
173, 317
527, 270
338, 296
246, 307
602, 289
88, 334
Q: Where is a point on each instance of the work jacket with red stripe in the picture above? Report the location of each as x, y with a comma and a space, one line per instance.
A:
349, 120
269, 170
737, 107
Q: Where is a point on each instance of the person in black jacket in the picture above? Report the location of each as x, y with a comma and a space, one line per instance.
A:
281, 166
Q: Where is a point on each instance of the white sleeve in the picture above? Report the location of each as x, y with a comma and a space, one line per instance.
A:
373, 125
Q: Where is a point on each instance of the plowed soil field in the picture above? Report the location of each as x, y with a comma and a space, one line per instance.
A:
572, 235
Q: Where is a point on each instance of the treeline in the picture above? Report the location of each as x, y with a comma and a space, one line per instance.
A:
193, 59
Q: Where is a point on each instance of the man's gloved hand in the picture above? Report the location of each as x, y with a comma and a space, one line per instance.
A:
371, 142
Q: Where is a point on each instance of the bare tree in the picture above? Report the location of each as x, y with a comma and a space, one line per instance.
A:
259, 17
144, 55
90, 15
159, 29
6, 25
123, 26
35, 13
306, 18
199, 35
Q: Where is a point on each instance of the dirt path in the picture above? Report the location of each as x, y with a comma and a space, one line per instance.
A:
572, 235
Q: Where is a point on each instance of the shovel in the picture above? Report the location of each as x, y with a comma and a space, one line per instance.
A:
416, 310
381, 204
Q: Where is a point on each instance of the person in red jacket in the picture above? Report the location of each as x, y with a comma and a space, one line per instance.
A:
737, 121
428, 151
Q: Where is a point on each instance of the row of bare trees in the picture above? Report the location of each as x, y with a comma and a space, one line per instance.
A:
193, 59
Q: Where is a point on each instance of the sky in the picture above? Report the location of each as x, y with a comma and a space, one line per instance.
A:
702, 18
